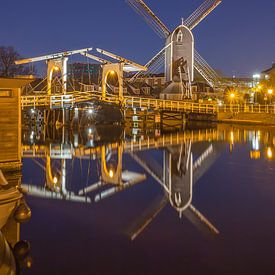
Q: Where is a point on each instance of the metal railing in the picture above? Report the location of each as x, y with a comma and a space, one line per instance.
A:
35, 101
169, 105
247, 108
61, 101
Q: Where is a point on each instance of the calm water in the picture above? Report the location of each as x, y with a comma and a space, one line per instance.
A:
121, 201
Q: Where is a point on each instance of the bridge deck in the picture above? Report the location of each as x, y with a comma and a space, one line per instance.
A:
68, 100
180, 106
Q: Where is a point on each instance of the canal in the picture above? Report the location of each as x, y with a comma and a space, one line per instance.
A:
115, 200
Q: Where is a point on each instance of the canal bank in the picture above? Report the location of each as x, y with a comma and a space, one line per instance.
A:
267, 119
247, 118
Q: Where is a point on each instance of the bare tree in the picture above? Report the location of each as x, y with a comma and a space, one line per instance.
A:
7, 66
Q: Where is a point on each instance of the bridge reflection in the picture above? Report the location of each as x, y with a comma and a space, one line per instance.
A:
98, 160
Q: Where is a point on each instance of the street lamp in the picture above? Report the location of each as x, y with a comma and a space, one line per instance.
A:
270, 92
55, 180
256, 81
231, 99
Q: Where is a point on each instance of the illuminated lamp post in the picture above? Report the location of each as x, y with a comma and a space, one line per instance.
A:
256, 81
270, 93
231, 98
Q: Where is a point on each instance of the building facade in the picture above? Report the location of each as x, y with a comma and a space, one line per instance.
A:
266, 73
88, 73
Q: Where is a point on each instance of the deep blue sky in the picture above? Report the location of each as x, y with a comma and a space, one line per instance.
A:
237, 38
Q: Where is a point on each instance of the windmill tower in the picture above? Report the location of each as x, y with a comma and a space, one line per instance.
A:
178, 55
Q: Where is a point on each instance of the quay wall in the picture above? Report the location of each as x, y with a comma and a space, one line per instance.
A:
247, 118
240, 118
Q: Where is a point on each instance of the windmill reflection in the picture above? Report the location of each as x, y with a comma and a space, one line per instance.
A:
177, 173
177, 176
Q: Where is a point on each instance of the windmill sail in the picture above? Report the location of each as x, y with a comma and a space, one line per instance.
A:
147, 217
153, 65
200, 13
150, 18
204, 69
199, 220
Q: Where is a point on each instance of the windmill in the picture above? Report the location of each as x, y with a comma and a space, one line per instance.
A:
179, 55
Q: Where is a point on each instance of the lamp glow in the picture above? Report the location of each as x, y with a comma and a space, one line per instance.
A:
269, 153
111, 173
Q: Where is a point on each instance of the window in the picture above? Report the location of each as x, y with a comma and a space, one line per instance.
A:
5, 93
180, 36
194, 89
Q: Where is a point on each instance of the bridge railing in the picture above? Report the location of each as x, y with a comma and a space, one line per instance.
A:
169, 105
60, 101
247, 108
54, 150
35, 101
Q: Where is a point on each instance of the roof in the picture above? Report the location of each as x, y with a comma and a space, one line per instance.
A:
269, 70
11, 83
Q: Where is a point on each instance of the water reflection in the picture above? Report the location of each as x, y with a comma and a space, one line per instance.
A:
177, 176
90, 166
65, 154
56, 159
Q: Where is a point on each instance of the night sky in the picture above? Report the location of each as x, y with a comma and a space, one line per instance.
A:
238, 38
